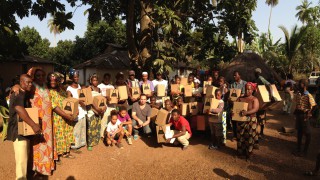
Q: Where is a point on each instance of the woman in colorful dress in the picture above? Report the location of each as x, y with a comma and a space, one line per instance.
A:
62, 122
247, 133
44, 152
94, 115
79, 130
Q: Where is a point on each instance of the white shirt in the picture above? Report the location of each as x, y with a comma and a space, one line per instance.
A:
156, 82
112, 128
103, 87
74, 92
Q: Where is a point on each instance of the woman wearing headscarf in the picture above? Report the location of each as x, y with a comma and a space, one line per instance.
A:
94, 115
62, 122
44, 152
247, 133
79, 130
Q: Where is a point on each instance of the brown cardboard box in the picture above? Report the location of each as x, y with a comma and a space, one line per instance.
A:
99, 101
184, 81
123, 92
184, 109
71, 106
162, 117
86, 95
210, 91
23, 128
201, 122
234, 94
135, 92
161, 130
263, 97
209, 104
276, 93
175, 88
193, 108
113, 95
164, 100
154, 113
161, 90
237, 108
146, 89
205, 85
187, 91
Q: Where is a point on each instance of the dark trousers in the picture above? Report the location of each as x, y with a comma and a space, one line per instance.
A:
303, 128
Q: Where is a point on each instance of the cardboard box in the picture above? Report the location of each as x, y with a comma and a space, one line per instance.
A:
113, 95
187, 91
209, 104
162, 117
184, 109
205, 85
210, 91
161, 90
193, 108
175, 88
85, 95
135, 92
146, 89
161, 130
263, 97
23, 128
276, 94
234, 94
123, 92
154, 113
201, 122
71, 106
237, 108
184, 81
99, 101
164, 100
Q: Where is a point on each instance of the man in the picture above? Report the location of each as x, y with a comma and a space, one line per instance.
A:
156, 82
168, 105
132, 82
182, 129
141, 112
237, 84
215, 78
146, 81
18, 103
304, 107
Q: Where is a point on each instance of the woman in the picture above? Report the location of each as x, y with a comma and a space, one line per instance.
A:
120, 81
63, 129
94, 115
247, 131
79, 130
44, 152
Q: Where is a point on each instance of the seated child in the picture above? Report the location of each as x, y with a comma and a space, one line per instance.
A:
216, 127
153, 103
114, 130
126, 123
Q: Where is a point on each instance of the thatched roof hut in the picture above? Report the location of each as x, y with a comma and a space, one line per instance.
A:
246, 63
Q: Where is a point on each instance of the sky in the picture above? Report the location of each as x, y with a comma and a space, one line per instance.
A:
282, 14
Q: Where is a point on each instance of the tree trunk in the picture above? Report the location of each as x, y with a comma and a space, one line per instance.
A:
145, 27
240, 43
131, 31
269, 21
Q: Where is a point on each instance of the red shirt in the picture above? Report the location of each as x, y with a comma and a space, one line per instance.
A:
181, 122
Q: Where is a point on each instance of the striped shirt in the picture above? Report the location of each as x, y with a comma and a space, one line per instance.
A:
305, 101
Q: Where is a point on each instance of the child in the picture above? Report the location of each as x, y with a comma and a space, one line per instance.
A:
153, 103
197, 91
114, 130
287, 103
176, 95
216, 128
126, 123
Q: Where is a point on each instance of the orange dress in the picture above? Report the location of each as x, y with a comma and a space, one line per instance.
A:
44, 152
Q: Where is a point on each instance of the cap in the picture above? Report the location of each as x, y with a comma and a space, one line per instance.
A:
257, 70
144, 73
132, 72
197, 81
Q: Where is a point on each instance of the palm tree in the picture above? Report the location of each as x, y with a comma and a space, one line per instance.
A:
54, 29
292, 43
303, 13
271, 3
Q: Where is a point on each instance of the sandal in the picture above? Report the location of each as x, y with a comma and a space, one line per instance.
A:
77, 151
69, 156
309, 173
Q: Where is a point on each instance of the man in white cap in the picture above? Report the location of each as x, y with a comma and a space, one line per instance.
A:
145, 83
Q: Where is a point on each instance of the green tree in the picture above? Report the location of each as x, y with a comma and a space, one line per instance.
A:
272, 4
303, 13
53, 29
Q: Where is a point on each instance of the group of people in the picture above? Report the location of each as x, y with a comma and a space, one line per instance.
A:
60, 133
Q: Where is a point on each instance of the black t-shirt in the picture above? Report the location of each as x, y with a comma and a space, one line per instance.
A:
16, 100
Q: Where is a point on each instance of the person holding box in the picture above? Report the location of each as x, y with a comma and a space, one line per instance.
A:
146, 85
160, 81
63, 130
182, 129
21, 144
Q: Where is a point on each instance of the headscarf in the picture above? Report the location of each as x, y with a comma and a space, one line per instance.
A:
253, 85
73, 72
196, 81
33, 70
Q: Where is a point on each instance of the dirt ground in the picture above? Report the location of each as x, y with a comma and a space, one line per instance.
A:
145, 159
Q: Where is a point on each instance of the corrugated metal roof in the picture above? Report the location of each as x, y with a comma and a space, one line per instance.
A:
31, 59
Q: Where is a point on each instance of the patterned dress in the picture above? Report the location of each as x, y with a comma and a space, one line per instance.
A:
93, 125
44, 152
63, 130
247, 136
